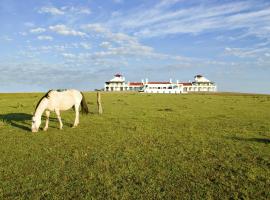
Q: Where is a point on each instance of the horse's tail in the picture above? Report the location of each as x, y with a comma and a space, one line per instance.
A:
84, 105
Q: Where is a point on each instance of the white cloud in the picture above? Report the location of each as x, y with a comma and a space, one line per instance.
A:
45, 37
244, 53
164, 19
123, 45
38, 73
65, 10
6, 38
115, 14
97, 28
101, 30
51, 10
37, 30
105, 45
64, 30
69, 55
29, 24
85, 45
23, 33
86, 11
58, 48
118, 1
76, 10
122, 37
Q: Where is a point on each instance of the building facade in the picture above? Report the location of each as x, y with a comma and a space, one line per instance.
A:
200, 84
118, 84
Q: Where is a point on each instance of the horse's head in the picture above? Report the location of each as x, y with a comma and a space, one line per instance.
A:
36, 121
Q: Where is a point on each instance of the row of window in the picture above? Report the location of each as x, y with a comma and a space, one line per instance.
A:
122, 88
185, 88
170, 92
158, 88
198, 89
203, 84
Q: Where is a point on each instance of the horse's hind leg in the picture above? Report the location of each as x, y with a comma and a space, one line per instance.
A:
59, 119
47, 112
76, 122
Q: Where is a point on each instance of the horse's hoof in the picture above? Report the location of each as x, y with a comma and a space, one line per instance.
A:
45, 129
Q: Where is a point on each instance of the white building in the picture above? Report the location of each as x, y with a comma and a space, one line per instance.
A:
118, 84
162, 87
200, 84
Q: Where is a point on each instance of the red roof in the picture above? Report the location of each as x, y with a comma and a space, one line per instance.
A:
135, 83
159, 82
185, 84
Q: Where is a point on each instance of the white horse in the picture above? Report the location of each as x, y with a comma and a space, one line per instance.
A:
55, 100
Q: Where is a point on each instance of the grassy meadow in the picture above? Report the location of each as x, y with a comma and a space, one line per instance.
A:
144, 146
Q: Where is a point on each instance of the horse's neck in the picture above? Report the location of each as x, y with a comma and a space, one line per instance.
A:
41, 107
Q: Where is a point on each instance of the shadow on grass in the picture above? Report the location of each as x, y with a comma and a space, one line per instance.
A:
23, 120
18, 120
260, 140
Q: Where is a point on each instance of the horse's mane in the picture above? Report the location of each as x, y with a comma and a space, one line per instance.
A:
45, 96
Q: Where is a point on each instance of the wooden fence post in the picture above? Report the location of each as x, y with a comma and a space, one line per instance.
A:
100, 111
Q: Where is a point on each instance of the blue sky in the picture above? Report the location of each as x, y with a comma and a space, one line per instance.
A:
81, 44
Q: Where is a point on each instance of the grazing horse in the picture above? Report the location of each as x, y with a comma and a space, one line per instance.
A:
56, 100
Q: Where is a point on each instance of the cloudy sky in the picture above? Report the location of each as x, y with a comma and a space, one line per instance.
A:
81, 44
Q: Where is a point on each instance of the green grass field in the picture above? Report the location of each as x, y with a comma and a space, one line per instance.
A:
144, 146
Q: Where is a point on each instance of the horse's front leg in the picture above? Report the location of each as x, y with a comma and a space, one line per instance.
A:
76, 122
47, 112
59, 119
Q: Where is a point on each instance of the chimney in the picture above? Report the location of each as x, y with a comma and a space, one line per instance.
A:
170, 80
146, 80
177, 81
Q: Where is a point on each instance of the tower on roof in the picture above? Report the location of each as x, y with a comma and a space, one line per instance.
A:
200, 78
118, 75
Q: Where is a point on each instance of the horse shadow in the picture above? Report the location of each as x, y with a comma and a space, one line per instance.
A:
23, 120
259, 140
18, 120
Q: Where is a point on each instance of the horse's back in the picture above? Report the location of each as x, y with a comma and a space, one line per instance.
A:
65, 99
